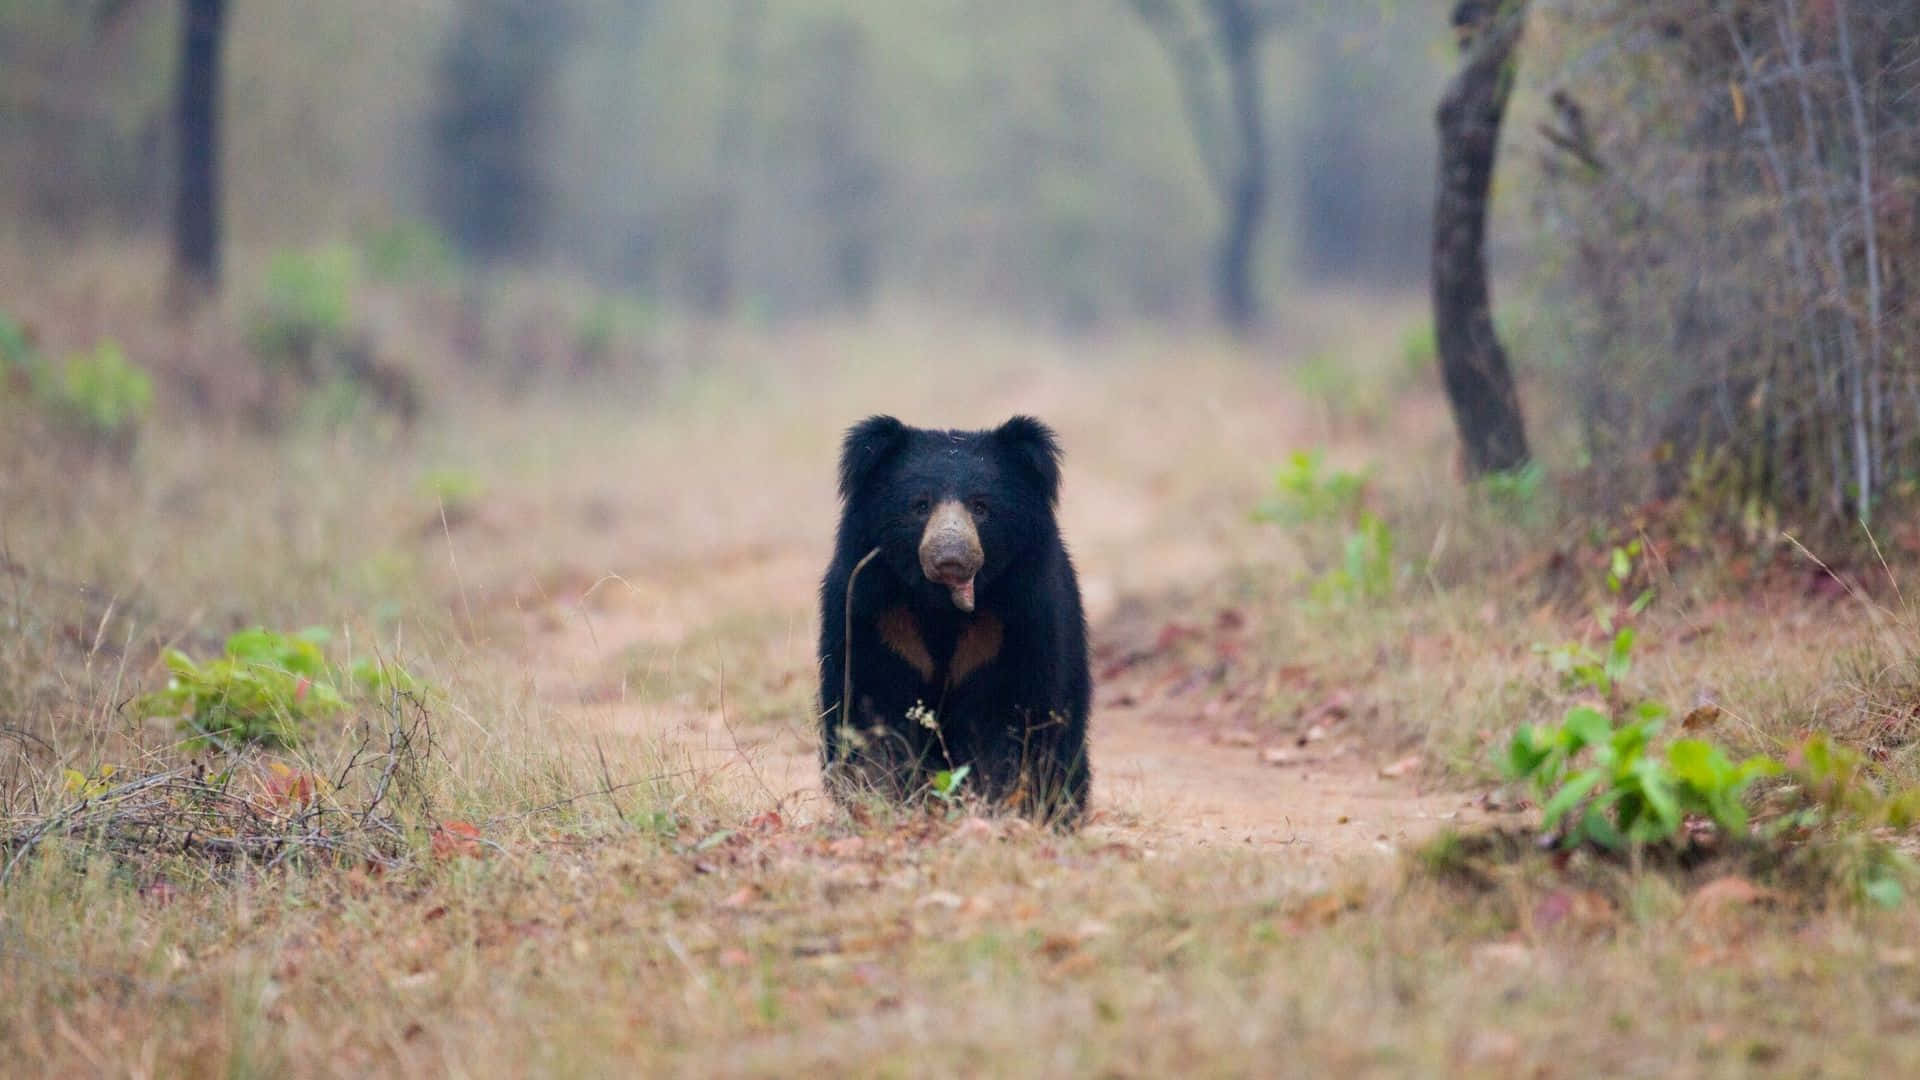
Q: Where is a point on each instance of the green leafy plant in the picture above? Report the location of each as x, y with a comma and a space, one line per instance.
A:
1517, 489
18, 357
1623, 560
308, 304
458, 490
407, 250
265, 688
1581, 667
1600, 783
947, 783
101, 392
1366, 570
1305, 490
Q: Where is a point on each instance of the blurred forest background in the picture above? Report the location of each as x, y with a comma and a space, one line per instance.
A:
1703, 223
766, 157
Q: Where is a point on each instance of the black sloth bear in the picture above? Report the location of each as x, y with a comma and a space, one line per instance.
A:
967, 643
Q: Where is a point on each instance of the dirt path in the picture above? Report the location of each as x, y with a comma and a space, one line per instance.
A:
1160, 778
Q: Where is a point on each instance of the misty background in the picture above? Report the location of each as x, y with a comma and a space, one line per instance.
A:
759, 158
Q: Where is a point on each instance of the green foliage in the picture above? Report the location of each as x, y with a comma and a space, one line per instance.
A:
1515, 489
308, 303
266, 688
1366, 570
1580, 667
407, 251
17, 354
1600, 783
1837, 783
102, 392
1620, 564
947, 783
1304, 491
455, 489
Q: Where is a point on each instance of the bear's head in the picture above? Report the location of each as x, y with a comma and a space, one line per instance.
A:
950, 510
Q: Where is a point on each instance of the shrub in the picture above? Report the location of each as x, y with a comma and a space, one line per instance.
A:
1366, 570
305, 332
1600, 784
1304, 490
308, 305
266, 688
102, 392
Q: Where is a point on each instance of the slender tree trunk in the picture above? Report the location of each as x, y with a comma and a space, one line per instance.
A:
1473, 364
196, 214
1247, 191
716, 275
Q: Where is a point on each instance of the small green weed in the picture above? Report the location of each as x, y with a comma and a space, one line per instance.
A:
1366, 570
18, 357
101, 393
456, 491
947, 784
308, 303
1515, 489
1581, 667
1305, 491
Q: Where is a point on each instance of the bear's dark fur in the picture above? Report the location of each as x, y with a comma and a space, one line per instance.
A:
966, 636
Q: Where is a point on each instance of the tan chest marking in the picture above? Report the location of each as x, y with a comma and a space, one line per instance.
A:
979, 644
901, 634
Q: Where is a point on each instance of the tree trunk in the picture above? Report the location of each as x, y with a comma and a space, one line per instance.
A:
196, 215
1247, 190
1473, 364
715, 273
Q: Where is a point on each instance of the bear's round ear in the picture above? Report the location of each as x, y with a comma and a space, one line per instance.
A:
868, 443
1032, 443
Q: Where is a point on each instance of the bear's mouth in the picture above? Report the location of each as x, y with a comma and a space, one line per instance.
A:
960, 589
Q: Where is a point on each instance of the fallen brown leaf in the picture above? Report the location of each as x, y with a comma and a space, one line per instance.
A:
1703, 717
456, 838
1723, 894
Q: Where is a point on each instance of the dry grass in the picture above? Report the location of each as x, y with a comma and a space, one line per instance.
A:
614, 859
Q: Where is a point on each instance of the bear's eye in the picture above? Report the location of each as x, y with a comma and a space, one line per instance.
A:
922, 504
977, 506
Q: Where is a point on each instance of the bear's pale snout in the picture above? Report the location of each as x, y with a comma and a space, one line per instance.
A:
950, 552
